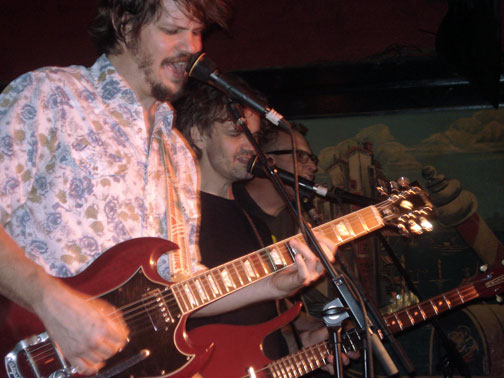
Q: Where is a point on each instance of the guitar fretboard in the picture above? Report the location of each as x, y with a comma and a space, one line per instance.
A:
311, 358
414, 314
225, 279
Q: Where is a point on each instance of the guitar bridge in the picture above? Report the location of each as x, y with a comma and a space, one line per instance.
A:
27, 360
157, 310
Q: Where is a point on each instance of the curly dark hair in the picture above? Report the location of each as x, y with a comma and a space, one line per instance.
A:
142, 12
202, 105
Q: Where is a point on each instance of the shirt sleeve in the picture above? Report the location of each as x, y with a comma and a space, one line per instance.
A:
27, 117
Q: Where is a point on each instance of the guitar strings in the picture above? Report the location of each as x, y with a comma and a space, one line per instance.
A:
131, 314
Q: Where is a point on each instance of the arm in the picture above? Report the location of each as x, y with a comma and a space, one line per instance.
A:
306, 270
85, 335
80, 327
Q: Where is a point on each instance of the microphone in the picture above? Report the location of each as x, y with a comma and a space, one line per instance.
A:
202, 68
256, 168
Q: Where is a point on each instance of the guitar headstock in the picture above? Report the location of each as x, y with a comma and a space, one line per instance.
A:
491, 282
407, 208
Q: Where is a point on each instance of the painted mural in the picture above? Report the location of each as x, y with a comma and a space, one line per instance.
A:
457, 157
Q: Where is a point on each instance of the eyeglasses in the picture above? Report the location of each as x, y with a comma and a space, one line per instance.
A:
301, 155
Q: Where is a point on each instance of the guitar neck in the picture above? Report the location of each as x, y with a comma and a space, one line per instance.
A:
311, 358
215, 283
411, 315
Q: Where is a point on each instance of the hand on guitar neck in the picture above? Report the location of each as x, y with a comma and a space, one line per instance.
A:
313, 337
307, 269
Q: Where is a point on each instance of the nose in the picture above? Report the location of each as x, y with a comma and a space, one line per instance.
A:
193, 42
246, 145
310, 164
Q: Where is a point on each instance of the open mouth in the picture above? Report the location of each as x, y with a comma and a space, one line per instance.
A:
177, 69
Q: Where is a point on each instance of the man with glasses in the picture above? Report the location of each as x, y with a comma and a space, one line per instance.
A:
259, 194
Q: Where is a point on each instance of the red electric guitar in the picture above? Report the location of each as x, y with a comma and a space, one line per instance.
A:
156, 311
237, 349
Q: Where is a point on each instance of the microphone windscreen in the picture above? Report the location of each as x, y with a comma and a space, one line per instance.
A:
256, 168
201, 67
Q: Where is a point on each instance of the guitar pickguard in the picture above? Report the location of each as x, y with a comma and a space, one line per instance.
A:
158, 345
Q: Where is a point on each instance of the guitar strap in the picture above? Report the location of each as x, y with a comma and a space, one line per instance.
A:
180, 259
288, 331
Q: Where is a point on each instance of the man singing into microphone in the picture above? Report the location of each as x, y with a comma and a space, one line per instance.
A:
227, 230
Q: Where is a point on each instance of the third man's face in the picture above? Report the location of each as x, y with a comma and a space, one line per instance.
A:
306, 170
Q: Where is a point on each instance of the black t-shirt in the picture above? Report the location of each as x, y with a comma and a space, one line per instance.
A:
281, 226
225, 235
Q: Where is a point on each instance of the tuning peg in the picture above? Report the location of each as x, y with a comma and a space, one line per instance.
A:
403, 230
484, 267
415, 227
425, 224
405, 204
403, 182
394, 187
498, 298
382, 191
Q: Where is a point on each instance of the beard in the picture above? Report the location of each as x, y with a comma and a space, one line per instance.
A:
158, 90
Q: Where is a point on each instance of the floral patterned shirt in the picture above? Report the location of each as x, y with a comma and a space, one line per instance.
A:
79, 175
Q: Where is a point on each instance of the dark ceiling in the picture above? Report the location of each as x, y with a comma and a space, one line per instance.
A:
312, 57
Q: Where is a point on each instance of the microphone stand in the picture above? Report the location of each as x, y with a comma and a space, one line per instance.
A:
453, 356
340, 281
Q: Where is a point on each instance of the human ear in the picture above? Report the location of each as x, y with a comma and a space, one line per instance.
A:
196, 137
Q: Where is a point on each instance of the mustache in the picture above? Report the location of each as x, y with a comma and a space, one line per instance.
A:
183, 57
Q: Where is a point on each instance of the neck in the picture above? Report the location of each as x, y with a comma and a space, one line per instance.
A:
266, 196
129, 72
212, 183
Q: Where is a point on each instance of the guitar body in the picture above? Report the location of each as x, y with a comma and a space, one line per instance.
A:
125, 276
236, 348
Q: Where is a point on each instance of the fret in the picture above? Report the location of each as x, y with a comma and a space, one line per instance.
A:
310, 358
197, 292
226, 279
320, 357
265, 261
287, 256
416, 315
276, 370
282, 367
242, 272
302, 358
293, 364
201, 290
441, 304
213, 285
342, 229
219, 280
276, 257
299, 364
356, 225
376, 220
363, 223
250, 270
460, 296
258, 265
434, 306
410, 318
331, 233
396, 321
181, 298
235, 274
189, 295
209, 286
